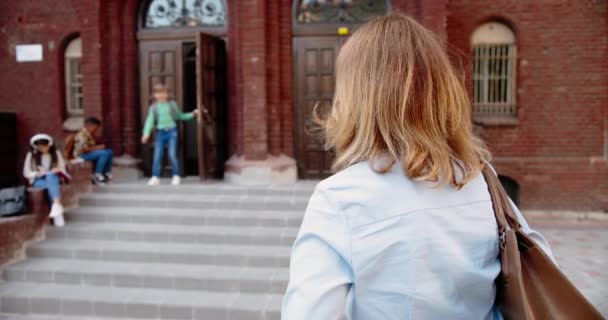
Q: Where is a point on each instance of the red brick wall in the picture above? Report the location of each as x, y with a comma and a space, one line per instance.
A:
562, 77
562, 80
17, 232
130, 88
285, 78
261, 99
235, 81
260, 93
34, 90
432, 14
254, 63
109, 66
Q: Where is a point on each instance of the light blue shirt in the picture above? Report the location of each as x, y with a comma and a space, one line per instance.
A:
381, 246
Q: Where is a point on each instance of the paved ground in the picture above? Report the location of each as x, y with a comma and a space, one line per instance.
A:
581, 250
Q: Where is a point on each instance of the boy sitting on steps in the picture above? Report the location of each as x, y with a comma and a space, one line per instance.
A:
87, 149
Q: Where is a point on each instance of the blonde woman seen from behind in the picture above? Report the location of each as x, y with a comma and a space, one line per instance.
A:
405, 228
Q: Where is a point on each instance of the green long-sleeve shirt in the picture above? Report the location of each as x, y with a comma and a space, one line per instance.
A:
165, 118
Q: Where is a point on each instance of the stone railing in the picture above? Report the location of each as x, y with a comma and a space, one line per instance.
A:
17, 232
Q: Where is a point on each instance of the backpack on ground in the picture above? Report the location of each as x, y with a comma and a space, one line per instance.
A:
12, 201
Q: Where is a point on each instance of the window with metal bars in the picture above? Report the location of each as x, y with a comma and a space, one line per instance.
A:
74, 86
494, 62
73, 78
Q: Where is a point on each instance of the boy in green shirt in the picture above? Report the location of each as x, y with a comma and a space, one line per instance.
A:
163, 116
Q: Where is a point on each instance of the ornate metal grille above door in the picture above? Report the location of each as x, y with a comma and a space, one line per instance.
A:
339, 11
185, 13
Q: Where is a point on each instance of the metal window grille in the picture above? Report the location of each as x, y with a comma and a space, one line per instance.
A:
73, 82
182, 13
494, 80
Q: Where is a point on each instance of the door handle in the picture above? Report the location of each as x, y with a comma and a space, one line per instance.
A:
205, 113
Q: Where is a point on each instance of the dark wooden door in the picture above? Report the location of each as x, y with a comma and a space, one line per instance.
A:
160, 61
211, 98
314, 59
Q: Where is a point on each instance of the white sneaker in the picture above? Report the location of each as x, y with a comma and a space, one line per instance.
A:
154, 181
58, 221
176, 181
99, 179
56, 210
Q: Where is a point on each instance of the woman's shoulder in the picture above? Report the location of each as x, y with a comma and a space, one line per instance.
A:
366, 195
361, 185
347, 175
362, 174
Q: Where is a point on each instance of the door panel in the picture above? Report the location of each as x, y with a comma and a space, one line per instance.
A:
190, 130
211, 98
159, 62
314, 59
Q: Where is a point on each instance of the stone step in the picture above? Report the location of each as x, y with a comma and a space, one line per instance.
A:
303, 189
30, 316
88, 301
150, 275
251, 203
174, 216
159, 252
175, 233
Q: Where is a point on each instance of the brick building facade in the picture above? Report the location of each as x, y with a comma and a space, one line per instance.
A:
554, 148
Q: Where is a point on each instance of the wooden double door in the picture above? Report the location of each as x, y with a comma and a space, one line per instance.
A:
314, 80
194, 69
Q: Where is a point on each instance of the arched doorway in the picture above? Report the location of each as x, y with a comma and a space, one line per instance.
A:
320, 27
511, 187
181, 45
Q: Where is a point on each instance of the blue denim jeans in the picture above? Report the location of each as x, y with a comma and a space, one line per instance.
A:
102, 159
51, 183
165, 138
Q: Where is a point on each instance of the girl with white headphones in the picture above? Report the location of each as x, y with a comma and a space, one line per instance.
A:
44, 167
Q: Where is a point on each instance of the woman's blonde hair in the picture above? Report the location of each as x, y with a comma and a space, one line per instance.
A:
397, 94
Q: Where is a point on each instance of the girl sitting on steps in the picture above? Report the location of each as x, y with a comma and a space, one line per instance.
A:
44, 166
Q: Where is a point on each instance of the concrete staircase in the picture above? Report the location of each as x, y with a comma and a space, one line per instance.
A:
199, 251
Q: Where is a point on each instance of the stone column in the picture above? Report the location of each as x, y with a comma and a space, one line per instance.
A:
258, 159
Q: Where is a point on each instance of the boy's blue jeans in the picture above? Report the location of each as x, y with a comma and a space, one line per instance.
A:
165, 137
102, 159
51, 183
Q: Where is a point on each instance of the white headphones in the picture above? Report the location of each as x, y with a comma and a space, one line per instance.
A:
40, 136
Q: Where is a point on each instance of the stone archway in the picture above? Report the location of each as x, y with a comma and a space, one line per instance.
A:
173, 39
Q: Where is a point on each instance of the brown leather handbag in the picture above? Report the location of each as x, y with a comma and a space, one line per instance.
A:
530, 285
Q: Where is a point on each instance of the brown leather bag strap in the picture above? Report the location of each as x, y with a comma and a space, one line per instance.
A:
500, 202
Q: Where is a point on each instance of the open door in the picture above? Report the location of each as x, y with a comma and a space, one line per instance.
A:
211, 98
159, 62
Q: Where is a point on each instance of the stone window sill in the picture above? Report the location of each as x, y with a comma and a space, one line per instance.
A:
73, 123
496, 121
